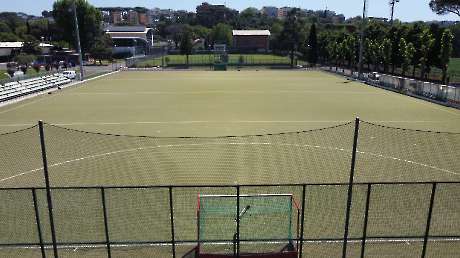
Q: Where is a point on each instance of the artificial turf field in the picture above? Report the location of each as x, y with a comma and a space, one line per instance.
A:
206, 104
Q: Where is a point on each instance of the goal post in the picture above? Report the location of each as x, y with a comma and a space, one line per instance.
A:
268, 225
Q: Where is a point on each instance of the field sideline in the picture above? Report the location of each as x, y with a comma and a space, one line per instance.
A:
201, 103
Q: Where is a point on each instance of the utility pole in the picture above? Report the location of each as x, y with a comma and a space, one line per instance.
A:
361, 43
77, 33
392, 5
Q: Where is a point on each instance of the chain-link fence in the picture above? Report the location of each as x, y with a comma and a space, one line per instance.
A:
72, 193
211, 59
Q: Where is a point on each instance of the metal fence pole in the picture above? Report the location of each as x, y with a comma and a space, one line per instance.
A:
350, 189
171, 213
37, 218
48, 190
106, 223
366, 218
428, 223
237, 242
302, 221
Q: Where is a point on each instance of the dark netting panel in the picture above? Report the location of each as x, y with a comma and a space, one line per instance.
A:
443, 248
138, 215
87, 159
20, 159
186, 207
325, 211
322, 249
17, 217
80, 251
142, 251
216, 219
398, 210
325, 208
446, 211
78, 215
42, 203
396, 155
394, 249
20, 252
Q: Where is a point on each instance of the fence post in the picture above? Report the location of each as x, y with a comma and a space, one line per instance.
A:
37, 218
171, 213
48, 190
106, 223
366, 218
237, 236
350, 189
428, 223
302, 222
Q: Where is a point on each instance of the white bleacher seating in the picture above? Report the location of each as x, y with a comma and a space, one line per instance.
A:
25, 87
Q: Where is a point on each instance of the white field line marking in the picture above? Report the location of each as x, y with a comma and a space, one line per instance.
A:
219, 122
375, 241
223, 91
211, 143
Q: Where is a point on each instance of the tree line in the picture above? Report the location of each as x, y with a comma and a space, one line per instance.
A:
398, 48
57, 28
401, 47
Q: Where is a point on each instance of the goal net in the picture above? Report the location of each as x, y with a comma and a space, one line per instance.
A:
261, 223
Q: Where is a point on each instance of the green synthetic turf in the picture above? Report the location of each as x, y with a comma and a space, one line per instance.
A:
198, 103
206, 103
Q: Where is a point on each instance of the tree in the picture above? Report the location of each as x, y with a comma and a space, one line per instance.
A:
102, 48
89, 22
445, 6
456, 43
385, 53
24, 59
332, 52
313, 45
413, 36
4, 27
350, 47
372, 54
8, 37
222, 34
446, 51
175, 32
427, 42
248, 18
407, 53
39, 29
31, 47
186, 43
291, 34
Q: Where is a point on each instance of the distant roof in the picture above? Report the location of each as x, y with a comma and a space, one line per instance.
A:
126, 29
10, 44
18, 44
251, 33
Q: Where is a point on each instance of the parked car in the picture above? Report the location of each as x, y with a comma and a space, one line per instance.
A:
70, 74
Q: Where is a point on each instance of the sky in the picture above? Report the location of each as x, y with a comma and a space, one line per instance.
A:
407, 10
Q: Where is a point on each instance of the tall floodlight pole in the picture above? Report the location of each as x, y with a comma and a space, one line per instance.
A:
392, 5
361, 43
77, 33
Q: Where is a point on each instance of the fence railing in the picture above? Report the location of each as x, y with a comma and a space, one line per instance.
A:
348, 219
210, 59
111, 220
449, 95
